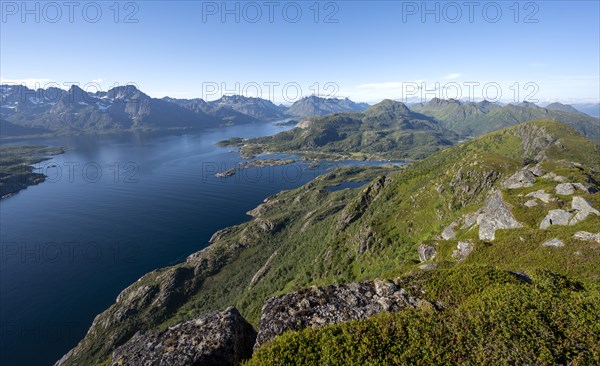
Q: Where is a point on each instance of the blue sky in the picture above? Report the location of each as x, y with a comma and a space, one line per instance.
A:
545, 50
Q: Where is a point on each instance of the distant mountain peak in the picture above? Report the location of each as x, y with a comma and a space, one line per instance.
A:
438, 102
314, 105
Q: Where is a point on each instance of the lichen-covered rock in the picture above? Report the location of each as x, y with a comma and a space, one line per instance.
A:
495, 215
536, 170
583, 210
565, 189
522, 178
449, 232
555, 242
541, 195
319, 306
462, 251
531, 203
428, 266
224, 338
426, 252
556, 217
555, 177
586, 236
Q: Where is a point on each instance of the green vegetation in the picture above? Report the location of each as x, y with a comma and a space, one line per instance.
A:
475, 119
312, 236
16, 172
387, 130
550, 321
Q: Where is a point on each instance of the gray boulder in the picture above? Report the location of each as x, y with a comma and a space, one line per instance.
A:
536, 170
522, 178
462, 251
586, 236
495, 215
583, 210
449, 232
555, 177
531, 203
565, 189
319, 306
557, 243
556, 217
426, 252
541, 195
224, 338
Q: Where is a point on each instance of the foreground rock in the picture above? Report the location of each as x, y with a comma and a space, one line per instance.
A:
522, 178
556, 217
223, 338
583, 209
462, 251
495, 215
557, 243
584, 235
319, 306
426, 252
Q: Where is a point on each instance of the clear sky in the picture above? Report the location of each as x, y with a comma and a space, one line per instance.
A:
365, 50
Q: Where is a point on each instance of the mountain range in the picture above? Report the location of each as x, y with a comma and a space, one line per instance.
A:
317, 106
387, 130
391, 130
470, 119
24, 111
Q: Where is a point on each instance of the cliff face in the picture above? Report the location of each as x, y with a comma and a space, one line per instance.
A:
478, 205
219, 339
319, 306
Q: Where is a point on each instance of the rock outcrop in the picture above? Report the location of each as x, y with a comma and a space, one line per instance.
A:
449, 232
521, 179
565, 189
555, 242
555, 177
319, 306
222, 339
541, 195
584, 235
583, 209
556, 217
494, 215
426, 252
462, 251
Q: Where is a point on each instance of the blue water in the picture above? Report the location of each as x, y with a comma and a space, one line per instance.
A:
112, 209
347, 185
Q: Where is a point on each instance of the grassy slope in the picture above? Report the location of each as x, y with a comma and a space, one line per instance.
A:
490, 317
323, 237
